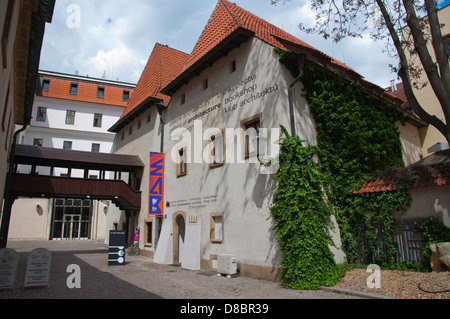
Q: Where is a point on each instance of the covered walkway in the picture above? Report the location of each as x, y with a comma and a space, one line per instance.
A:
111, 177
109, 184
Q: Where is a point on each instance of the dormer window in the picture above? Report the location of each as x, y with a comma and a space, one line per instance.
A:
100, 92
73, 88
126, 96
45, 85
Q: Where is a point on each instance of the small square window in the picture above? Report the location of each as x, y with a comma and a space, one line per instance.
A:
37, 142
97, 120
74, 88
45, 85
67, 145
41, 114
70, 117
95, 148
100, 92
126, 96
183, 98
205, 84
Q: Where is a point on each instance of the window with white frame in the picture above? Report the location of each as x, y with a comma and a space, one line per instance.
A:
41, 114
251, 142
181, 164
97, 120
217, 150
216, 227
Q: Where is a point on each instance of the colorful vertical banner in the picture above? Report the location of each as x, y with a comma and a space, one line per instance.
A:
156, 184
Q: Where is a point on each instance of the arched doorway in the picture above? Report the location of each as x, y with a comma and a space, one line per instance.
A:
179, 228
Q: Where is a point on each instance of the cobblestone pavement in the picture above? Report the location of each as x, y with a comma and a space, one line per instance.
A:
139, 278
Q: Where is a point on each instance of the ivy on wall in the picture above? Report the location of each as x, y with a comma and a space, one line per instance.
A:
301, 218
357, 140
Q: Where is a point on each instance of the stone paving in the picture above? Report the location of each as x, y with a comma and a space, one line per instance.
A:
139, 278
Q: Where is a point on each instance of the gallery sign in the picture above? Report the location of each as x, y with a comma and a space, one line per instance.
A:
156, 184
37, 273
9, 260
116, 251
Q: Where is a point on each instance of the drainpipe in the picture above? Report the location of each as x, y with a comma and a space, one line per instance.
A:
301, 61
161, 106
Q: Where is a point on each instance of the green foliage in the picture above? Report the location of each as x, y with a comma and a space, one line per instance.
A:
357, 140
301, 218
434, 231
291, 65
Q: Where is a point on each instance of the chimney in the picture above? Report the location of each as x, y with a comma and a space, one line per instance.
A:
393, 86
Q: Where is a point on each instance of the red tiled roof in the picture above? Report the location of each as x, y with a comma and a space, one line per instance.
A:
87, 90
431, 171
400, 94
227, 17
162, 66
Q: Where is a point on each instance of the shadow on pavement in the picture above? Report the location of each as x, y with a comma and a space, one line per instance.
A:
95, 283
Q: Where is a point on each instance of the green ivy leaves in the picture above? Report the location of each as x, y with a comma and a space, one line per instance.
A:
357, 140
301, 218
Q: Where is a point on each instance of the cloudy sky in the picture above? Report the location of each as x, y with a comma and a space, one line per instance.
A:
115, 37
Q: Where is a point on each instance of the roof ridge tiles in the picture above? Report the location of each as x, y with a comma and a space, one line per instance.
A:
163, 64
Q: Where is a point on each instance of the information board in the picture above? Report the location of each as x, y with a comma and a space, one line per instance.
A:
38, 268
116, 251
9, 260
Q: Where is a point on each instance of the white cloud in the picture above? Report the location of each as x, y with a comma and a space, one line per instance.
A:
107, 61
119, 35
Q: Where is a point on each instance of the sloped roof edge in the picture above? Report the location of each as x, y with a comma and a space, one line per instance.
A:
233, 40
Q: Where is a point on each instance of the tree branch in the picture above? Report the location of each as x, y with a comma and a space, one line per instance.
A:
424, 115
430, 68
404, 73
438, 43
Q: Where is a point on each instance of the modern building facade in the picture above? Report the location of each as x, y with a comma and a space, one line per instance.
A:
70, 112
215, 116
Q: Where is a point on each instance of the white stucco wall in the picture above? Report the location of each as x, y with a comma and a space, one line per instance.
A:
429, 201
26, 220
238, 190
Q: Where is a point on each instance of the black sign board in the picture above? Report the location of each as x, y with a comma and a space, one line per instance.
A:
116, 252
